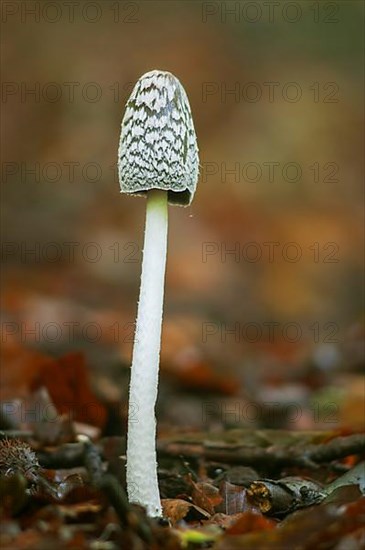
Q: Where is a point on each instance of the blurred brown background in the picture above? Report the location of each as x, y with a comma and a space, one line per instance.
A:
277, 97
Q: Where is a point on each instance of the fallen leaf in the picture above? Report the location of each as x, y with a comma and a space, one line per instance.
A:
177, 509
67, 382
205, 495
248, 522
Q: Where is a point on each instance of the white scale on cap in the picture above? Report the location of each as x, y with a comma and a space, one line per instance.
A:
158, 148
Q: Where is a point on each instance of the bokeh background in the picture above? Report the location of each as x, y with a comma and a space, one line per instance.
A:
277, 98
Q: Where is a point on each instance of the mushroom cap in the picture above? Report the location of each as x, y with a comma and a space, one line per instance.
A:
158, 147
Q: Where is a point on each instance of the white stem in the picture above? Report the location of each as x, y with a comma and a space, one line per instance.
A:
142, 483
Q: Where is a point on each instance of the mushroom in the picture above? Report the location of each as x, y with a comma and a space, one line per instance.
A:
157, 157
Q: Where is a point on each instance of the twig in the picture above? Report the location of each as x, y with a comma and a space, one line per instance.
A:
69, 455
338, 448
110, 486
299, 455
279, 497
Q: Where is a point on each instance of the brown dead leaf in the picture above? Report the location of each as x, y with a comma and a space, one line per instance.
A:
20, 366
205, 495
177, 509
67, 382
198, 374
235, 499
321, 526
248, 522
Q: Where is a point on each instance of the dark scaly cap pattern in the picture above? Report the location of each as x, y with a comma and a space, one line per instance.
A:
158, 147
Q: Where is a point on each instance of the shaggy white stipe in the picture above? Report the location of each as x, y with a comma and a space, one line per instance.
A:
142, 484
